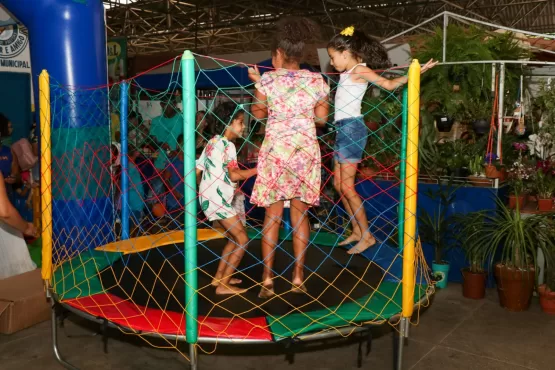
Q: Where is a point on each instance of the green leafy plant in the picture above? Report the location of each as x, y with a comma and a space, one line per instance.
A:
544, 185
476, 165
506, 233
436, 228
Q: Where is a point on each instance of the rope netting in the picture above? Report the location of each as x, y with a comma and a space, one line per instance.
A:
118, 198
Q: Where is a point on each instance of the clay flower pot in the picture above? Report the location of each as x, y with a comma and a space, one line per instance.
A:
521, 199
515, 286
474, 284
493, 173
547, 299
545, 204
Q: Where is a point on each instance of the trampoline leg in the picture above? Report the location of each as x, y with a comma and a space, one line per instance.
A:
399, 343
54, 326
193, 356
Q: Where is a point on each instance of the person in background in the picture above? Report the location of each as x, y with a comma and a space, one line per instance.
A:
8, 163
164, 130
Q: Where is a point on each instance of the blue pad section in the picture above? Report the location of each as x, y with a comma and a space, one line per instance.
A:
82, 224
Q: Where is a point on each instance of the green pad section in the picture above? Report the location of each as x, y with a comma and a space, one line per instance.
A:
382, 304
323, 239
78, 277
35, 251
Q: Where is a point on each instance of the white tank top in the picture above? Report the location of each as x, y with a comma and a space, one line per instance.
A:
348, 96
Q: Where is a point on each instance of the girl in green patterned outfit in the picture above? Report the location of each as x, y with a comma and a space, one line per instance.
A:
218, 189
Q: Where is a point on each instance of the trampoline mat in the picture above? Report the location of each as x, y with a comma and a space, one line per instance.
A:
154, 279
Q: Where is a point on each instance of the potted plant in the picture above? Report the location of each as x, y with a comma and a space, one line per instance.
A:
436, 229
476, 167
516, 239
547, 290
475, 275
455, 154
493, 168
518, 174
478, 111
544, 186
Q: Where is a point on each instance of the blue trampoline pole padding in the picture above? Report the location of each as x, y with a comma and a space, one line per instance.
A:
68, 39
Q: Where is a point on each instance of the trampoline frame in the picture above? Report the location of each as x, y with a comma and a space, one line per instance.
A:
193, 356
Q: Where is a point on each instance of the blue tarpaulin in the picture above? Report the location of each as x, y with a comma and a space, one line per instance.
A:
236, 76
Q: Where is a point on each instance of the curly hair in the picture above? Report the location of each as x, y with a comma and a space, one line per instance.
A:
222, 116
291, 37
363, 47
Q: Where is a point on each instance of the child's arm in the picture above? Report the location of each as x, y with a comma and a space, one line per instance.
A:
321, 112
259, 109
235, 174
362, 73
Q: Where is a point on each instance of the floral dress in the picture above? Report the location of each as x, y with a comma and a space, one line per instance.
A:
289, 158
216, 190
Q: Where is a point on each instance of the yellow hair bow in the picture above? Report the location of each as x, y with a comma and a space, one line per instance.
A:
348, 31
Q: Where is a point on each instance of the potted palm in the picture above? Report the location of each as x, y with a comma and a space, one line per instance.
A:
436, 228
475, 275
544, 186
516, 240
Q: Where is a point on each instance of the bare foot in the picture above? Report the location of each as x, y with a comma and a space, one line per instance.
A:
363, 245
298, 288
351, 239
232, 281
267, 290
228, 290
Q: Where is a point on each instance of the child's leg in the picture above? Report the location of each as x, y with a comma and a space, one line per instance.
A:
301, 234
272, 222
337, 181
237, 231
366, 239
224, 262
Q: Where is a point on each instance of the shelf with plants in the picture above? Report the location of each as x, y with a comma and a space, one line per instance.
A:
462, 92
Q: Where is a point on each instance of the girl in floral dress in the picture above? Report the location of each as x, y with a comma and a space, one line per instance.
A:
289, 158
218, 191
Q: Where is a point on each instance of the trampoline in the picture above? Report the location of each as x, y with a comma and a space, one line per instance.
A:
142, 290
101, 262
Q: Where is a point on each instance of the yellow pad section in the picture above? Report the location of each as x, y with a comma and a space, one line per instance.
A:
143, 243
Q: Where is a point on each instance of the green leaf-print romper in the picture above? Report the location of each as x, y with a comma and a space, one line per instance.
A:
216, 190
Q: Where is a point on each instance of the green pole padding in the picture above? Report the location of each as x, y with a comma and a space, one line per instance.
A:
190, 194
403, 170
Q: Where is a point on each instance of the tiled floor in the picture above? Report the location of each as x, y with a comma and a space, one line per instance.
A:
454, 333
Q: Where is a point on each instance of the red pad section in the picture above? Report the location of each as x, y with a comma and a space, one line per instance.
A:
127, 314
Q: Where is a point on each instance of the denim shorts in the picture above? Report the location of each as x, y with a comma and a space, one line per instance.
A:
350, 140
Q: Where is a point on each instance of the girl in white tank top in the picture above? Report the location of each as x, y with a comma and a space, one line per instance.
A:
350, 52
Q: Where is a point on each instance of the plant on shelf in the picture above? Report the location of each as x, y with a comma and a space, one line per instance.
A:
456, 155
519, 174
478, 112
544, 187
476, 168
494, 169
436, 228
517, 240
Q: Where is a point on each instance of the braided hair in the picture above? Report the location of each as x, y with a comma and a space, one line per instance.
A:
362, 47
